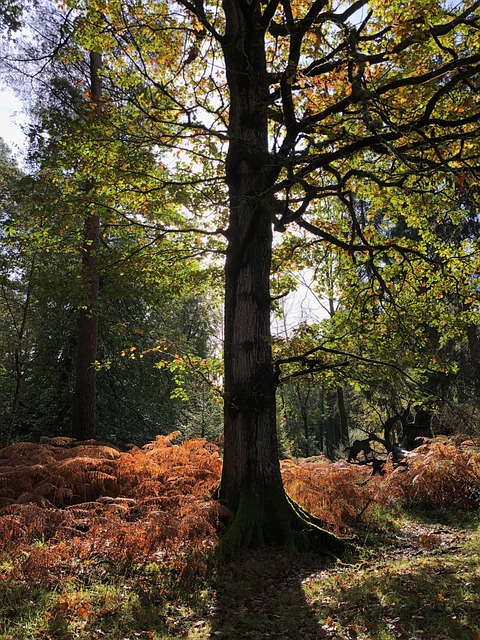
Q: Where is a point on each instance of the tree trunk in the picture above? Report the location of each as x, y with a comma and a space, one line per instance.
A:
20, 360
303, 404
251, 481
473, 343
343, 416
85, 398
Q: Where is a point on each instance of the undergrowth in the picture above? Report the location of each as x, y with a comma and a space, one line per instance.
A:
92, 500
443, 473
98, 543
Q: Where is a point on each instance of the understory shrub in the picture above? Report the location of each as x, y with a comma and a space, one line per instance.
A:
93, 499
444, 472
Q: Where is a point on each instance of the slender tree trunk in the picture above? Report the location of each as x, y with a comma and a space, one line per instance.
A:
473, 343
306, 430
303, 401
19, 360
84, 406
333, 436
251, 481
343, 417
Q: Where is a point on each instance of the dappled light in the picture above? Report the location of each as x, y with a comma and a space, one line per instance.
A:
185, 451
135, 534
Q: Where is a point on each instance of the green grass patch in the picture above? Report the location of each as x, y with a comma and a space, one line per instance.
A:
432, 596
105, 601
455, 518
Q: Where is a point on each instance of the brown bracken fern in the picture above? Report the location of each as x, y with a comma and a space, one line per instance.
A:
92, 501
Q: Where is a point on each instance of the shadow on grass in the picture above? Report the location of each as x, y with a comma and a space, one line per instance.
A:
21, 608
258, 596
433, 598
456, 518
265, 594
261, 596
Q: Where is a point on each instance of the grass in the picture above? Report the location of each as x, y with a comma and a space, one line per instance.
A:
433, 596
425, 585
113, 607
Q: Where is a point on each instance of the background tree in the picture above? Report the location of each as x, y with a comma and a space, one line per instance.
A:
82, 164
144, 312
10, 15
17, 268
85, 396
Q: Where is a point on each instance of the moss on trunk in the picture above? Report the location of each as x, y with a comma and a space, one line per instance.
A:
277, 521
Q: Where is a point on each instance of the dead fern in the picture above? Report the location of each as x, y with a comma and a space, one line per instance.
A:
95, 500
334, 493
91, 501
442, 473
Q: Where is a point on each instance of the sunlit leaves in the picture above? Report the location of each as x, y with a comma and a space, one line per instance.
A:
372, 127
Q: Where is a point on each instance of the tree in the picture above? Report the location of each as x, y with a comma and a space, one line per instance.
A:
10, 14
250, 481
31, 292
100, 207
85, 398
321, 103
17, 267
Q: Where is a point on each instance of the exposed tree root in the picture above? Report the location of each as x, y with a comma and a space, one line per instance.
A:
278, 522
316, 537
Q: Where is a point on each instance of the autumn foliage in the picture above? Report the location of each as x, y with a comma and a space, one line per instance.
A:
92, 500
334, 492
441, 473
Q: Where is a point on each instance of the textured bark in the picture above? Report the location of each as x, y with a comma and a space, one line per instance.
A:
251, 475
85, 398
251, 482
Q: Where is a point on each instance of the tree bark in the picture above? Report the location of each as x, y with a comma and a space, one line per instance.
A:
251, 481
473, 343
85, 398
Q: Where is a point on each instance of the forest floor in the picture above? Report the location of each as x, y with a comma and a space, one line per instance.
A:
419, 578
97, 544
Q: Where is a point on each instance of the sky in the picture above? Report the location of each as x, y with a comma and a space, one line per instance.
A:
10, 120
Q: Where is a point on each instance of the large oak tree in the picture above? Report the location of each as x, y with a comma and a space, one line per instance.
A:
288, 104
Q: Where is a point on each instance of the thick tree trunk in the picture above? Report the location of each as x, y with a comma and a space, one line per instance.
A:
251, 481
85, 398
